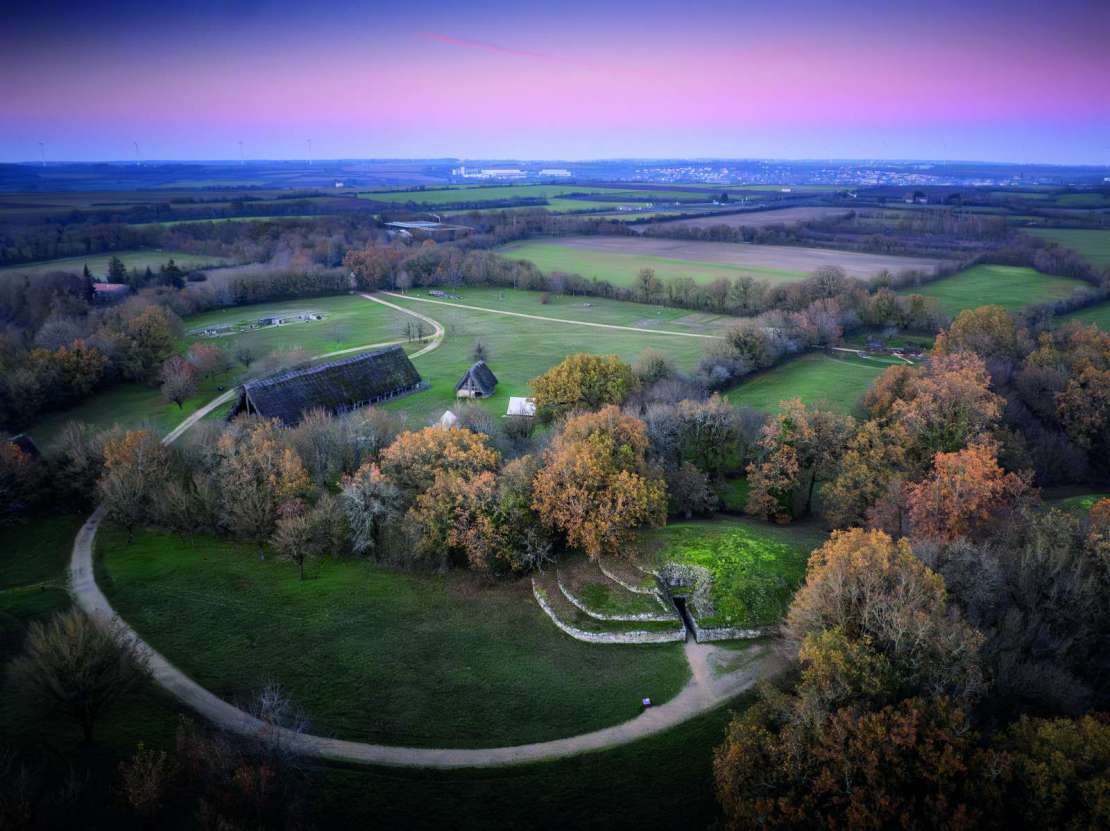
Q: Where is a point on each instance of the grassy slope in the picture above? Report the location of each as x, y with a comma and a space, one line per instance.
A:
1092, 245
756, 566
377, 655
817, 378
1009, 286
98, 263
520, 349
621, 269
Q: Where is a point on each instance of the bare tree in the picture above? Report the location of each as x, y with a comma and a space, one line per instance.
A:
179, 380
72, 666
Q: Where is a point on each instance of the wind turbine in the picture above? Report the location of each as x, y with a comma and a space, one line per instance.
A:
42, 152
138, 159
241, 162
308, 142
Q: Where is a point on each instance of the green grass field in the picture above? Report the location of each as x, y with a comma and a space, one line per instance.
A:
1011, 287
378, 655
756, 566
621, 269
1098, 315
98, 263
1081, 503
520, 349
349, 320
837, 382
1094, 246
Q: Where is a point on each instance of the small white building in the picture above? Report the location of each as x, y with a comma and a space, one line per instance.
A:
448, 420
521, 407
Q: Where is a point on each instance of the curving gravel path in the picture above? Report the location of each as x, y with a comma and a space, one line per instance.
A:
705, 690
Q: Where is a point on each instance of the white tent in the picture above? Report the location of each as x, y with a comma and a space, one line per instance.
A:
448, 419
521, 406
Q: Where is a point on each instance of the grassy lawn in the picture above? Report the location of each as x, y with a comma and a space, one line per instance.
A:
1081, 503
662, 782
756, 566
349, 320
1098, 315
837, 382
377, 655
520, 349
1011, 287
621, 269
1094, 246
98, 263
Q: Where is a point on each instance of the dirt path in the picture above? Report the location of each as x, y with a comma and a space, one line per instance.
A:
437, 339
547, 319
703, 692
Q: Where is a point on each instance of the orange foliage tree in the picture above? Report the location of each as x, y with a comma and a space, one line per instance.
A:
582, 382
596, 485
414, 458
966, 492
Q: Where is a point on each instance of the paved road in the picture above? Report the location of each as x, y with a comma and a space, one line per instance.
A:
703, 692
547, 319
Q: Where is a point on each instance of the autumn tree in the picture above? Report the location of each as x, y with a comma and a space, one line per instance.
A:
305, 533
414, 458
149, 338
453, 516
582, 382
73, 666
256, 475
370, 499
966, 493
911, 765
874, 625
596, 485
990, 332
135, 466
179, 380
81, 367
799, 448
207, 359
873, 462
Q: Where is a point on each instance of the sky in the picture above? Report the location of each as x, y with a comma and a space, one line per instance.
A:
992, 80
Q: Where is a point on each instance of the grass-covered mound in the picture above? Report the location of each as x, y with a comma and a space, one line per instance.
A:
755, 567
1012, 287
378, 655
1080, 503
834, 381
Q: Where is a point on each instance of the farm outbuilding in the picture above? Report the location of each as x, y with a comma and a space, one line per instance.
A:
525, 407
478, 382
336, 386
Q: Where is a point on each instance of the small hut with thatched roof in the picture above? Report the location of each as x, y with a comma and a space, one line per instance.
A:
478, 382
336, 386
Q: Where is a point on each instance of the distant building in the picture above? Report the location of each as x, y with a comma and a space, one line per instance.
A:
110, 292
555, 171
337, 386
478, 382
521, 407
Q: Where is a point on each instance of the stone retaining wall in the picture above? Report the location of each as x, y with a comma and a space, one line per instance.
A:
728, 633
676, 636
617, 579
647, 616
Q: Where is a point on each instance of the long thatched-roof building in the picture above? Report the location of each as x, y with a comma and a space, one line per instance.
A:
336, 386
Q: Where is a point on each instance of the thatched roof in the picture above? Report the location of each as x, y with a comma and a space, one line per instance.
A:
479, 378
336, 386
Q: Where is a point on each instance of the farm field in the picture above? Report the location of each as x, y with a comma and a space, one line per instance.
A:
495, 193
619, 259
98, 263
759, 219
756, 566
1011, 287
519, 349
378, 655
172, 222
1098, 315
834, 381
1094, 246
